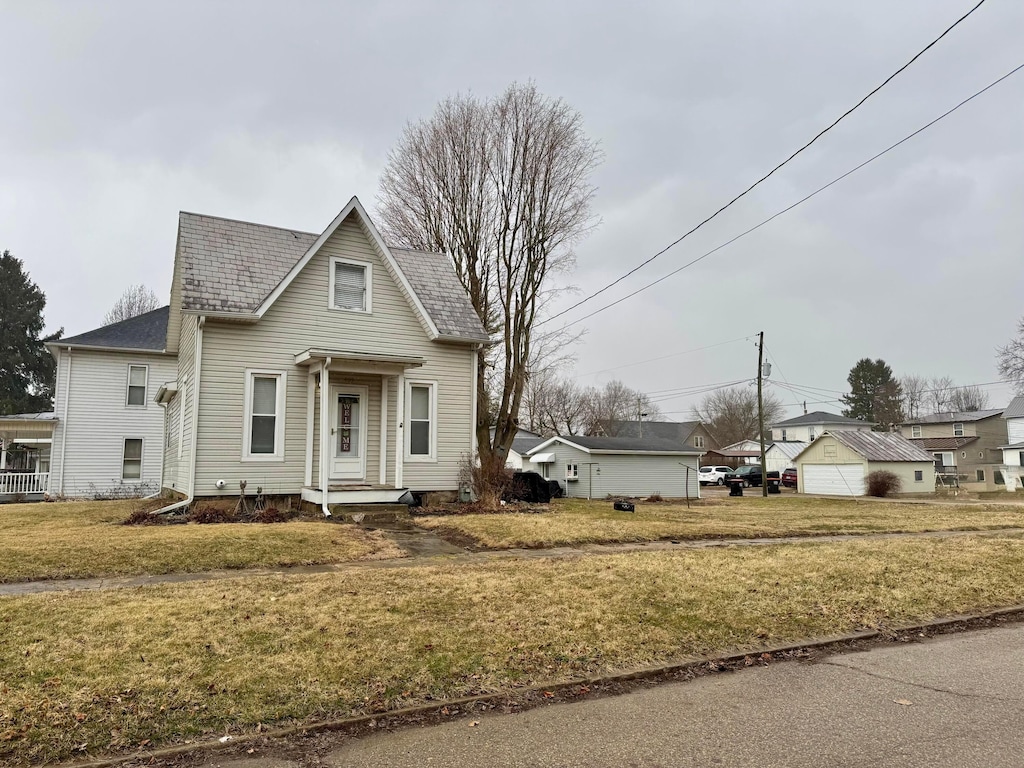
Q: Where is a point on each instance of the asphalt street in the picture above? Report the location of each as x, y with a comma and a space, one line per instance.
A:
956, 701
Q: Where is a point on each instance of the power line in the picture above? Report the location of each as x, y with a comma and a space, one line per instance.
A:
787, 209
749, 189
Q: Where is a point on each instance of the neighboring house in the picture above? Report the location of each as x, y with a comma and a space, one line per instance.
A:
809, 426
108, 436
742, 452
25, 446
689, 433
731, 457
838, 463
779, 455
965, 446
521, 443
596, 467
1013, 449
325, 365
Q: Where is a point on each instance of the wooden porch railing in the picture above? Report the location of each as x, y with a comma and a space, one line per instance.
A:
24, 482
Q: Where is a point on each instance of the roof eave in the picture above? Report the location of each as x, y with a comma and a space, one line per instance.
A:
58, 345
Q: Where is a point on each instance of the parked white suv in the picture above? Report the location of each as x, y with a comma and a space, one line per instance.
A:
713, 475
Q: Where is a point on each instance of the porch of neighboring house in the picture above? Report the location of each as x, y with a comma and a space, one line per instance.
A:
25, 444
355, 435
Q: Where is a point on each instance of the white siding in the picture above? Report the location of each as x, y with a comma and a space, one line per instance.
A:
1015, 431
300, 320
803, 432
98, 421
177, 460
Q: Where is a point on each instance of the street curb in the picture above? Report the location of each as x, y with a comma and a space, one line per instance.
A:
689, 667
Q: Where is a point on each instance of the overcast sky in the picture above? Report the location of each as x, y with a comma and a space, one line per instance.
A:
115, 116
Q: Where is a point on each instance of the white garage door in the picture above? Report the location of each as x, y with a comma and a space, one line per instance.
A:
834, 479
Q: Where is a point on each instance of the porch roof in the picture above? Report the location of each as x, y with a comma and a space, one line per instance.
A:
311, 356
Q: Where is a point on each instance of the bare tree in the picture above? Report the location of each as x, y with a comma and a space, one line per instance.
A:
914, 390
136, 300
1011, 359
939, 394
731, 414
503, 186
618, 403
963, 399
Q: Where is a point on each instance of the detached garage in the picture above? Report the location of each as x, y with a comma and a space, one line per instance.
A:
838, 463
596, 467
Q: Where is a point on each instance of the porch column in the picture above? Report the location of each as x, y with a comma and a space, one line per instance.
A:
399, 428
3, 454
325, 438
383, 430
310, 402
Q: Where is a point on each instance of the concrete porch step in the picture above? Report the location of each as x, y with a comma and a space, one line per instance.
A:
368, 513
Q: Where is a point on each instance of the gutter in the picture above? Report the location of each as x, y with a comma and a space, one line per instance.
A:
195, 426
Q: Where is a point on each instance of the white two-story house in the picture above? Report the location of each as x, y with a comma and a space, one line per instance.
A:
807, 427
326, 365
1013, 450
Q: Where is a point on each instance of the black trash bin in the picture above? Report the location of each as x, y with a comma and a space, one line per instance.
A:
773, 485
735, 487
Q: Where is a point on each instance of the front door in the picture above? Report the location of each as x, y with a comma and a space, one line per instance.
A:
348, 433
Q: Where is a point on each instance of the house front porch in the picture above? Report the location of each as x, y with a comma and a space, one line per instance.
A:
355, 433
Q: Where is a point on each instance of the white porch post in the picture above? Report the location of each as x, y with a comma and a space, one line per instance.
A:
383, 430
3, 454
399, 428
325, 442
310, 402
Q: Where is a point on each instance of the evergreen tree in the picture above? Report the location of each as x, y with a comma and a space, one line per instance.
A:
26, 367
875, 394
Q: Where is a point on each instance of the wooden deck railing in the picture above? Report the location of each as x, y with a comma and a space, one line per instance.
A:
24, 482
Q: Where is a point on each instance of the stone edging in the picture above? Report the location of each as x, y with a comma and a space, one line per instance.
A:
684, 668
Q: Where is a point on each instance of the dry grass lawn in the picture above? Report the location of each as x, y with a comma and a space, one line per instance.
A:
578, 521
85, 539
84, 673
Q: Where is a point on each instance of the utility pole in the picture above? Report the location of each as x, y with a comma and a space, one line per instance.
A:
640, 415
760, 411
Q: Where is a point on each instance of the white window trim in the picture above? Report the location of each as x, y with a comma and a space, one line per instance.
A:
915, 430
698, 441
961, 430
369, 285
279, 423
572, 471
142, 461
431, 458
128, 385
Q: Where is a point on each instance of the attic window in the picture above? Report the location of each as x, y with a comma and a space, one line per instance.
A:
698, 441
915, 431
958, 430
351, 286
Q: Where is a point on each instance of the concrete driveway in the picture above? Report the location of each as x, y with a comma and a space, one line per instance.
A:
955, 701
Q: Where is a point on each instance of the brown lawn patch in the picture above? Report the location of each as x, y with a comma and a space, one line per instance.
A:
82, 673
86, 539
578, 521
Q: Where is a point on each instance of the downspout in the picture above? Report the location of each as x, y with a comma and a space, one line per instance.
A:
195, 423
64, 433
163, 456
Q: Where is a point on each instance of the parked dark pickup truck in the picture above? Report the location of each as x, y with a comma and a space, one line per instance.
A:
749, 475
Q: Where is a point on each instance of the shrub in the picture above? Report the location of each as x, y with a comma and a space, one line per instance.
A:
655, 497
882, 483
270, 515
490, 480
212, 513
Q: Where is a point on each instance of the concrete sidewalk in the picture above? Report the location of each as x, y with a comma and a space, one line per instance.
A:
466, 558
952, 702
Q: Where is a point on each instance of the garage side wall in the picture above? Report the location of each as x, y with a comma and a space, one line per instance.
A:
905, 470
828, 451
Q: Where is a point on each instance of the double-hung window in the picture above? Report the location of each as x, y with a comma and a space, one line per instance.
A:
572, 471
138, 376
915, 431
698, 441
958, 430
421, 420
264, 416
131, 459
351, 286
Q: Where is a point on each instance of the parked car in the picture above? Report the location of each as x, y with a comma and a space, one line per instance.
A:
749, 475
789, 477
713, 475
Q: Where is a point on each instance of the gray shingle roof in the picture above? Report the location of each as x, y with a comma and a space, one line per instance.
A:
818, 417
523, 444
629, 444
44, 416
677, 431
144, 332
1015, 409
881, 446
789, 448
951, 417
433, 278
232, 266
